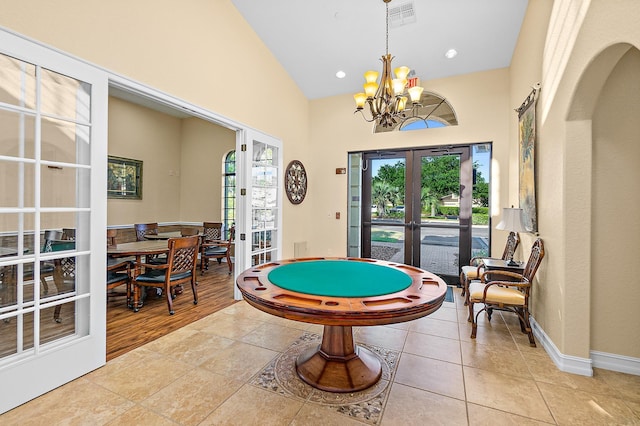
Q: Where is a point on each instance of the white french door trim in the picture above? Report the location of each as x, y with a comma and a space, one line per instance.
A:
36, 369
244, 178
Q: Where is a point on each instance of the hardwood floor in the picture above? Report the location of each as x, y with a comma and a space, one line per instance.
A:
127, 330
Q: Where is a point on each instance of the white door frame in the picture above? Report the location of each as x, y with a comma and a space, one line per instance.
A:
244, 221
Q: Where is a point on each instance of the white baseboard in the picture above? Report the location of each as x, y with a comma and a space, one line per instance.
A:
566, 363
614, 362
584, 366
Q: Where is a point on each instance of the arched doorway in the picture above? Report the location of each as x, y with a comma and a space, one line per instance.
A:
602, 118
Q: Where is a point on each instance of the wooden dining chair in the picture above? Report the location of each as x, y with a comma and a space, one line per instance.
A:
143, 229
179, 269
118, 269
189, 232
506, 291
214, 247
211, 231
475, 267
112, 238
119, 273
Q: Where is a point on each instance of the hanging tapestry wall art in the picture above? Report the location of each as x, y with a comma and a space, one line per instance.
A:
527, 141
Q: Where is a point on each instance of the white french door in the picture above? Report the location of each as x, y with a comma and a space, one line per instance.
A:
53, 150
259, 233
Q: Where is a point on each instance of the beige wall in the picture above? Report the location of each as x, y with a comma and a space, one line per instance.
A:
202, 51
526, 70
481, 102
569, 140
204, 146
154, 138
182, 165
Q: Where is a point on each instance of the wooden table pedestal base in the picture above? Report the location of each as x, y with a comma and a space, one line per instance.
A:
338, 365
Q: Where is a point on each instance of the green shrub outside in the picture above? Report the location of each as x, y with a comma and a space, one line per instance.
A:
479, 215
449, 210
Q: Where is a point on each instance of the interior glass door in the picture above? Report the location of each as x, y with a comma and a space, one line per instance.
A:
259, 232
52, 219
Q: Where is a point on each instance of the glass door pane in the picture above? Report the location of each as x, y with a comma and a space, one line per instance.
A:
385, 213
264, 202
480, 242
442, 190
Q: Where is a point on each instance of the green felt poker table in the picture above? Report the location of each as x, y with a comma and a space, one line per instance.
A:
340, 293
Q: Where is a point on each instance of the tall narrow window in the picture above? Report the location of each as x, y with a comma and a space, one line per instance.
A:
229, 192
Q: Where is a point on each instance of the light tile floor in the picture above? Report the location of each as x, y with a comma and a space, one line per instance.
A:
199, 375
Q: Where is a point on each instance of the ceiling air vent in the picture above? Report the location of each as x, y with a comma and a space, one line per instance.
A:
401, 15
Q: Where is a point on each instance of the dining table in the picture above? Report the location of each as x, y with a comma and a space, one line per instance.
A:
138, 249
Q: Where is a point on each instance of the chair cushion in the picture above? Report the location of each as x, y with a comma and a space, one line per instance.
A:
156, 276
215, 251
114, 277
470, 272
151, 276
113, 261
496, 294
130, 259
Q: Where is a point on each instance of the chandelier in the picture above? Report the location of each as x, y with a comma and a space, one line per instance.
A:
387, 100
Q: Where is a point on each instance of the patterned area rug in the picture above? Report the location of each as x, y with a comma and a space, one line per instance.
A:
280, 376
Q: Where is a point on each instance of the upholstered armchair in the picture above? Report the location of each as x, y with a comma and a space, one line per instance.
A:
476, 267
506, 291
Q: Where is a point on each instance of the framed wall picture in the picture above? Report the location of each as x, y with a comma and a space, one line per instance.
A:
124, 178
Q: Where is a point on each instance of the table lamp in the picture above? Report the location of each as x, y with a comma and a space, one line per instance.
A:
512, 221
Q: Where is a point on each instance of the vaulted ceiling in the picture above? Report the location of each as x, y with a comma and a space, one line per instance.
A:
313, 39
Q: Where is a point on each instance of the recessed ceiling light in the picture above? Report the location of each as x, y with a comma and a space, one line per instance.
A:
451, 53
341, 74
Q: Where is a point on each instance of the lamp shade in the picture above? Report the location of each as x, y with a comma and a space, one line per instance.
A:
512, 220
415, 92
360, 99
402, 72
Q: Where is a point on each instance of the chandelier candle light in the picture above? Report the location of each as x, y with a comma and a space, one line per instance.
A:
387, 100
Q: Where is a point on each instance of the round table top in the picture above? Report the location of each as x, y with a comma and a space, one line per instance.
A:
286, 295
339, 278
